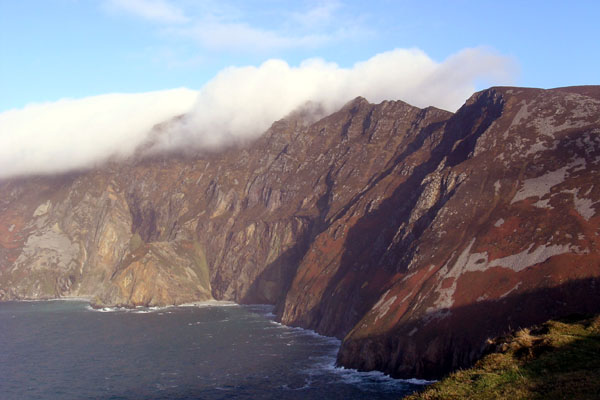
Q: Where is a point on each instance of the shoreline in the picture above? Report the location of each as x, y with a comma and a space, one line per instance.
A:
379, 375
66, 298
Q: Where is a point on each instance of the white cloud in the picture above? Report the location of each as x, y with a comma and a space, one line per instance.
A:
322, 13
73, 134
239, 36
239, 103
242, 102
223, 26
153, 10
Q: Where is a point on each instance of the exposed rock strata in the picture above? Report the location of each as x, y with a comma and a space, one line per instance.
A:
414, 234
516, 240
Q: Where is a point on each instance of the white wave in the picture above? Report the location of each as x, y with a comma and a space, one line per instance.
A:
72, 298
209, 303
308, 332
307, 385
160, 309
69, 298
136, 310
327, 364
369, 380
105, 309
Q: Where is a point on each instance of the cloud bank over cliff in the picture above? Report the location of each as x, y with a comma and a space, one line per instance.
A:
239, 103
71, 134
244, 101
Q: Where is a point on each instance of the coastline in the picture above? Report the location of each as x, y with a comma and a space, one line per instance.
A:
329, 364
87, 299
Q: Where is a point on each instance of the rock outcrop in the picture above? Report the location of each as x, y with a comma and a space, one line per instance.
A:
413, 234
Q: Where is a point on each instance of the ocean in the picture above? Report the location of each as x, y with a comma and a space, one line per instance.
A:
66, 350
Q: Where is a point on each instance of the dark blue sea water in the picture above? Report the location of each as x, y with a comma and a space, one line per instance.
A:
66, 350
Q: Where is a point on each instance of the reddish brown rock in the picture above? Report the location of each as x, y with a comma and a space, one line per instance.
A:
413, 234
514, 243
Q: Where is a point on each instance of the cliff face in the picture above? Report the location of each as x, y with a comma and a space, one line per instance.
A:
232, 225
514, 241
414, 234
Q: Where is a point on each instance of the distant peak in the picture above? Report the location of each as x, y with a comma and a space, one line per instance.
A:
357, 101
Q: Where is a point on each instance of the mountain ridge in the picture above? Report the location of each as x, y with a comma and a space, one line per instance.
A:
367, 224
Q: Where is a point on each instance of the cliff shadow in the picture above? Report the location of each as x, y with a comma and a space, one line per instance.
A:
435, 344
274, 281
370, 249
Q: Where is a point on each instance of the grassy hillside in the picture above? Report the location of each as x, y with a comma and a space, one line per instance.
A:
557, 360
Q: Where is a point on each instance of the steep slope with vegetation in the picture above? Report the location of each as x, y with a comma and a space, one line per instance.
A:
556, 360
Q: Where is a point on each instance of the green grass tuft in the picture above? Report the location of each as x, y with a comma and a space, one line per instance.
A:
557, 360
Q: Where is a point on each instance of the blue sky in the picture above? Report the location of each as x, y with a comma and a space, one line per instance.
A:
83, 81
52, 49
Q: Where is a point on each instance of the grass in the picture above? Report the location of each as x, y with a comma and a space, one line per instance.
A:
557, 360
